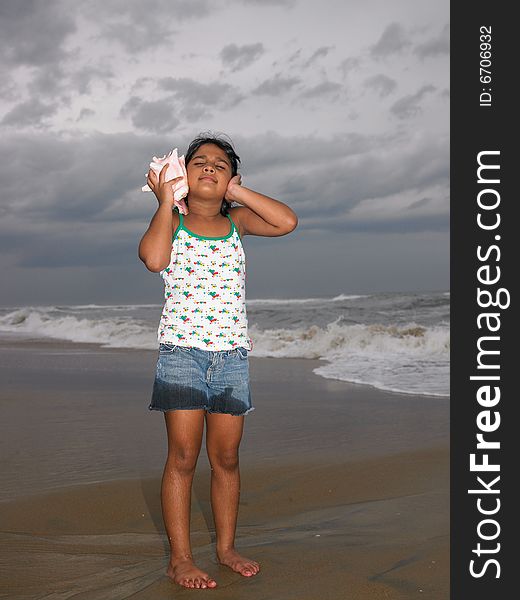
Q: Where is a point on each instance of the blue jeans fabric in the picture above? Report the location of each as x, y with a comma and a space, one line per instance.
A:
189, 378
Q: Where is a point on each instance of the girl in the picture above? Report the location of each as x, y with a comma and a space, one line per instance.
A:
203, 368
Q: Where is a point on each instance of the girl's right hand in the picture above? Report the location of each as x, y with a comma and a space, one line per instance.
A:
162, 189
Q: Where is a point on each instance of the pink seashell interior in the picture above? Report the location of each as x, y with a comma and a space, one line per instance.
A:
176, 168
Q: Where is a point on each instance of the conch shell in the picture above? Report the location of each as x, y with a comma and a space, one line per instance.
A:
176, 168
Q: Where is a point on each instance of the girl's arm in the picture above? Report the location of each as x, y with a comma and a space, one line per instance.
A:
260, 215
156, 244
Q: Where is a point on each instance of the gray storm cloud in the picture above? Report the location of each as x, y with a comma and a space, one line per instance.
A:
410, 105
239, 57
393, 40
381, 84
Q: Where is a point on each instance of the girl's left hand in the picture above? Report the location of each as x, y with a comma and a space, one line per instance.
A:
232, 185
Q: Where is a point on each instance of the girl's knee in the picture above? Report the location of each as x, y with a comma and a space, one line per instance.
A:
183, 460
226, 460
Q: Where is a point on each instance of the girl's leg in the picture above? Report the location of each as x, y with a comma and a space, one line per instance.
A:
223, 435
185, 428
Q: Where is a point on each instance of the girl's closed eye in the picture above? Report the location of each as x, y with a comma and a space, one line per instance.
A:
221, 167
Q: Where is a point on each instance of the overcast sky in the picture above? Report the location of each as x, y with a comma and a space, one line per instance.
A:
338, 108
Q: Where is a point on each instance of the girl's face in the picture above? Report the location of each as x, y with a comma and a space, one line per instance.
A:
209, 172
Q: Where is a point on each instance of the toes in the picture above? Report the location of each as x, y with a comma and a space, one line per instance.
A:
199, 583
202, 583
252, 568
245, 567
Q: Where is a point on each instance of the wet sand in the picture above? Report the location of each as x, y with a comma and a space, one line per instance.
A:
344, 495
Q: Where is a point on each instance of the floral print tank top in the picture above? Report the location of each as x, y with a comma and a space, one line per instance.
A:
204, 292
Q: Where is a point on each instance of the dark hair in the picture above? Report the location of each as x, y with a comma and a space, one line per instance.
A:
219, 140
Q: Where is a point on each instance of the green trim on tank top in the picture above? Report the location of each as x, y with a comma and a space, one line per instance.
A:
202, 237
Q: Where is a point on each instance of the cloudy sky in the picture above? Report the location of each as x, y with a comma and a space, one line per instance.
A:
338, 108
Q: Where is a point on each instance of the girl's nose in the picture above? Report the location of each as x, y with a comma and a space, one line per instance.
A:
209, 168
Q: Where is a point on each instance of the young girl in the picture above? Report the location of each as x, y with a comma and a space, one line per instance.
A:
203, 368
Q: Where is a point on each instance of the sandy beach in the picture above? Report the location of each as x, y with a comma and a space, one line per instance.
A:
344, 495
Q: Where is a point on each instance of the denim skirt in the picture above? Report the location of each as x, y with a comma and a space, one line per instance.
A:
189, 378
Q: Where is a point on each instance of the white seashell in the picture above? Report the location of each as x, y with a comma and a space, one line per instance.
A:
176, 168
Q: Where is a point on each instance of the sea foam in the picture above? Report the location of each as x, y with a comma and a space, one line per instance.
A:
398, 342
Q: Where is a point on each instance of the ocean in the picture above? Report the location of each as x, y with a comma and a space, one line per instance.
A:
398, 342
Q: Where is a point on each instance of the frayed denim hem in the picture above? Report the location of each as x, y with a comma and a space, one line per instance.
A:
219, 412
211, 412
158, 408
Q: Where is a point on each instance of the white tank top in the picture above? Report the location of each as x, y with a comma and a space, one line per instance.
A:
204, 292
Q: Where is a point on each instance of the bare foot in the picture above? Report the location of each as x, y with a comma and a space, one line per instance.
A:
184, 572
232, 559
